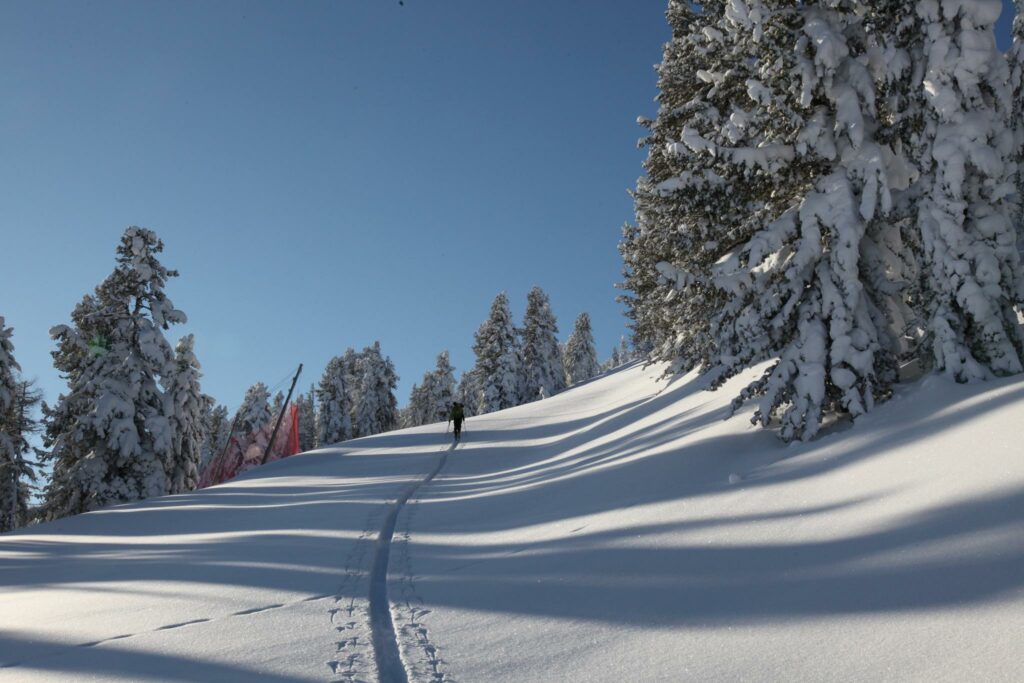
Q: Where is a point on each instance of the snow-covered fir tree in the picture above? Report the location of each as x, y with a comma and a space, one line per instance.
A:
307, 420
542, 369
469, 391
431, 400
17, 472
971, 267
766, 224
498, 361
186, 406
375, 408
580, 355
441, 389
334, 395
254, 413
276, 405
109, 436
216, 432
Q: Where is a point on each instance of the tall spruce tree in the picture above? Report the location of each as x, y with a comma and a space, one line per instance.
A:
109, 436
580, 354
763, 225
543, 371
17, 472
187, 406
334, 394
498, 361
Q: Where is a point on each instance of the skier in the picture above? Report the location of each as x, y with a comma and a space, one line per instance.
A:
457, 414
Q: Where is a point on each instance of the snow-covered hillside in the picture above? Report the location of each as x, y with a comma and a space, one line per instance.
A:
620, 531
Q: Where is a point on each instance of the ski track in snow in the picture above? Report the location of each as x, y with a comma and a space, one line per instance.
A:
390, 668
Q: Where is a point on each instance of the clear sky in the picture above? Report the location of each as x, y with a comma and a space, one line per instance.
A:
324, 174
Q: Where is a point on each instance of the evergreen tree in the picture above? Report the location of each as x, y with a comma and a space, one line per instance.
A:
764, 224
109, 436
186, 406
580, 354
17, 472
276, 405
254, 413
469, 392
216, 432
307, 421
374, 404
334, 394
624, 354
542, 359
431, 401
971, 267
441, 390
498, 359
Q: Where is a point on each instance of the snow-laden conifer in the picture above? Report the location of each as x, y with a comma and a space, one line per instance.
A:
580, 355
17, 471
216, 432
306, 406
971, 266
498, 362
186, 406
109, 435
375, 408
254, 413
469, 392
541, 357
430, 401
334, 394
767, 200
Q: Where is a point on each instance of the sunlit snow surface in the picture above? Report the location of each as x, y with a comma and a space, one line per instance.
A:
621, 531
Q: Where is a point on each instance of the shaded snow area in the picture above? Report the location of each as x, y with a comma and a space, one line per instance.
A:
620, 531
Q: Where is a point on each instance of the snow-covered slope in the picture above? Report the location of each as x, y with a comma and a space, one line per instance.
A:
620, 531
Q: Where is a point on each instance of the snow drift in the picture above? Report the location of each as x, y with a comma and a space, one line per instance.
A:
622, 530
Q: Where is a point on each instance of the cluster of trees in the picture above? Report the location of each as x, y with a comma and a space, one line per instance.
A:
134, 421
355, 397
514, 365
831, 186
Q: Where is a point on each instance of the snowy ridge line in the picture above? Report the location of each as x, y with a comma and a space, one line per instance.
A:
169, 627
350, 615
385, 643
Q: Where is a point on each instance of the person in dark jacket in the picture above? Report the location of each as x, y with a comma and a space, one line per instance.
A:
457, 415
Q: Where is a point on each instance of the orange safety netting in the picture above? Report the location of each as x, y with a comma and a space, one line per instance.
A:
245, 451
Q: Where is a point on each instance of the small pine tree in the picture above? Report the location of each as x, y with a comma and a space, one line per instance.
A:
17, 472
543, 372
498, 360
307, 420
254, 413
580, 354
186, 406
216, 432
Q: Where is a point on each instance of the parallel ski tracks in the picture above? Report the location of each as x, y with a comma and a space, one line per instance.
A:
382, 628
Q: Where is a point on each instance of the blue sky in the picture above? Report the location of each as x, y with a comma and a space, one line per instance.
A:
324, 174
